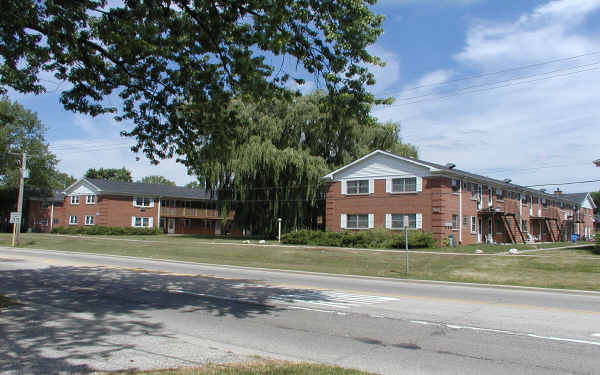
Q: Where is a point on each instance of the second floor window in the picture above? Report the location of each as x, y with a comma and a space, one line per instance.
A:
357, 187
74, 199
404, 185
90, 199
454, 221
142, 202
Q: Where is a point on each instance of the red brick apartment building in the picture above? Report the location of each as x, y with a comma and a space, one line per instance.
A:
380, 189
90, 202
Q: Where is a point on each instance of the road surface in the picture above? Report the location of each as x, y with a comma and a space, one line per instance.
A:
84, 312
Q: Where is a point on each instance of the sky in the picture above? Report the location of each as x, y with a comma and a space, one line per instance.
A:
507, 89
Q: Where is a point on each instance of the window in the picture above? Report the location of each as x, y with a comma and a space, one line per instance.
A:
72, 220
187, 223
544, 203
404, 185
398, 221
524, 199
524, 225
90, 199
357, 187
44, 222
455, 186
89, 220
55, 221
489, 196
465, 220
474, 191
143, 202
499, 194
454, 221
473, 224
144, 222
358, 221
74, 199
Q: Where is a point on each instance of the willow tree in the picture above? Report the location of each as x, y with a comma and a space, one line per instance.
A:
274, 160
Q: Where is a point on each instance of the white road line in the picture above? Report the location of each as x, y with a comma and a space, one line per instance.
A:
334, 299
512, 333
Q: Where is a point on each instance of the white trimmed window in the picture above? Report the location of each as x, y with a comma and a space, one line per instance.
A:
357, 187
455, 221
473, 224
499, 194
89, 220
74, 199
489, 196
143, 202
72, 220
465, 221
455, 185
141, 222
44, 222
360, 221
474, 192
404, 185
398, 221
90, 199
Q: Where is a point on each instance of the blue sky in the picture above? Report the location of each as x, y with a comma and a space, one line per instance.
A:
540, 126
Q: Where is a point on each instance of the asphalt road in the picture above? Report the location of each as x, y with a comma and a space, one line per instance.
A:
82, 313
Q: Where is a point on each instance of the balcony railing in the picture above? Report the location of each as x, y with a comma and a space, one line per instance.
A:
201, 213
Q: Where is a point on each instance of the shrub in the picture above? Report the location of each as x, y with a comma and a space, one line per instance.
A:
375, 239
102, 230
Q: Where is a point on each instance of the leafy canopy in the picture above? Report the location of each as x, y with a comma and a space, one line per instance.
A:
160, 180
111, 174
164, 58
22, 131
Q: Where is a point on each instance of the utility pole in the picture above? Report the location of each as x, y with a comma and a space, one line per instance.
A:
17, 224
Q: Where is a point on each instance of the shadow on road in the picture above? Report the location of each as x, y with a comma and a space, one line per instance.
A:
70, 316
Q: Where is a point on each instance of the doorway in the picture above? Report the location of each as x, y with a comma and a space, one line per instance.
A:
171, 226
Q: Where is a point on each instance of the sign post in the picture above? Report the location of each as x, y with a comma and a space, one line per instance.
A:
279, 236
406, 240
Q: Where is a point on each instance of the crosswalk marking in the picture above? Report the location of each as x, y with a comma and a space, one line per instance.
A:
332, 299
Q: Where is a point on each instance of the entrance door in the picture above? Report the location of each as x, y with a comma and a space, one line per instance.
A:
490, 238
171, 228
479, 231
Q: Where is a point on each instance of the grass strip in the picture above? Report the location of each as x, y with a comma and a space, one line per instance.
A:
566, 269
254, 368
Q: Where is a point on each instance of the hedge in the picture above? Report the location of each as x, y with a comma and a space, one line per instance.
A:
102, 230
374, 239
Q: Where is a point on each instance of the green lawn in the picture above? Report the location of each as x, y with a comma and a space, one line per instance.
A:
262, 368
569, 268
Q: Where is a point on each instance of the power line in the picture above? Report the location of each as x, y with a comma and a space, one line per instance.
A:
461, 92
565, 183
500, 71
504, 81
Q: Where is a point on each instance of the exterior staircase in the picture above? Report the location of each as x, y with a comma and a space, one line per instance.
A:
513, 229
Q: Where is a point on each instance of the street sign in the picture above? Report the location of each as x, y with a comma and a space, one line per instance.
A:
15, 217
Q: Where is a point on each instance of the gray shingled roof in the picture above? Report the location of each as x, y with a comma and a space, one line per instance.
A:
576, 197
155, 190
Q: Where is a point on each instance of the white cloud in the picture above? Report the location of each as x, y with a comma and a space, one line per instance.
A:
548, 32
541, 132
388, 75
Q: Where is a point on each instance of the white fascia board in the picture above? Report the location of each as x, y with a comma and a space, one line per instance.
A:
79, 183
589, 197
330, 176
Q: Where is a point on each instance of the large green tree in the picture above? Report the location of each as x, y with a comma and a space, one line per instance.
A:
165, 57
160, 180
22, 131
112, 174
274, 160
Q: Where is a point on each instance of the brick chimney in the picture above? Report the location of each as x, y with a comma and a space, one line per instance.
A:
557, 191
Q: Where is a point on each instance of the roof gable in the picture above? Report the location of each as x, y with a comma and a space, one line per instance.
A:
380, 164
82, 187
